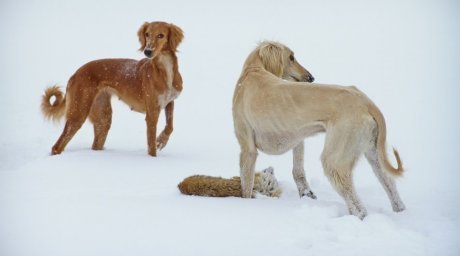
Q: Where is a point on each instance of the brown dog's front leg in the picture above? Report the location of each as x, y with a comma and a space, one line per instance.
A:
162, 140
152, 119
177, 79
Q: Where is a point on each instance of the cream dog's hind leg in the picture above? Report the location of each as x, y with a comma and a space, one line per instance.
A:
386, 180
338, 158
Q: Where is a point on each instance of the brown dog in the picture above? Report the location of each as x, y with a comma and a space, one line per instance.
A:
147, 86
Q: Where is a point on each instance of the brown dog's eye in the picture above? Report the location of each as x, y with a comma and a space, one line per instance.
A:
146, 34
160, 36
291, 57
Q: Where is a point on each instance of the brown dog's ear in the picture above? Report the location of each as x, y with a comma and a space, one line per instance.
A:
271, 55
175, 36
141, 35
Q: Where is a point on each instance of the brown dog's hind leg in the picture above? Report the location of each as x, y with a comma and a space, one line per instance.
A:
77, 112
101, 117
71, 127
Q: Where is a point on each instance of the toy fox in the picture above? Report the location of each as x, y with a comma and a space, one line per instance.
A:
265, 183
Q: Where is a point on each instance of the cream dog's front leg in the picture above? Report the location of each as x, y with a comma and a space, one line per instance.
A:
299, 173
247, 165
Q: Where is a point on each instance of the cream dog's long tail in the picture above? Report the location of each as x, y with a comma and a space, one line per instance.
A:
55, 110
381, 144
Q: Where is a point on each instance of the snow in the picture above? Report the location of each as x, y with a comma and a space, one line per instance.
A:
403, 54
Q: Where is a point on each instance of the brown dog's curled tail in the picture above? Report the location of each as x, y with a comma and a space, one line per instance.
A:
55, 110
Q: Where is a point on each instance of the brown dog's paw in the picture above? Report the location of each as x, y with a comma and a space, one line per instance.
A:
153, 153
162, 140
55, 151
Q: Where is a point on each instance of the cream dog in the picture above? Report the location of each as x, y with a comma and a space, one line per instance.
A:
274, 115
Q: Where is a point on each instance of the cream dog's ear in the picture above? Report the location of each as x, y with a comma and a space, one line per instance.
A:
271, 55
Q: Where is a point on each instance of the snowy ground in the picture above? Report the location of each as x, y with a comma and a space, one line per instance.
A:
403, 54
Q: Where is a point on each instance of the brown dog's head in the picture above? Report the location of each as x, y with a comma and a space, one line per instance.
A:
159, 36
279, 60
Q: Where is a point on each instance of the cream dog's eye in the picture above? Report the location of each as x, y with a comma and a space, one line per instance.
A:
291, 57
160, 36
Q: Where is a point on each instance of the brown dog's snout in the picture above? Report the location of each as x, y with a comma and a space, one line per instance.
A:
148, 53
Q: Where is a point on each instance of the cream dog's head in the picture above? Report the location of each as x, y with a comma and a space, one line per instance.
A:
279, 60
